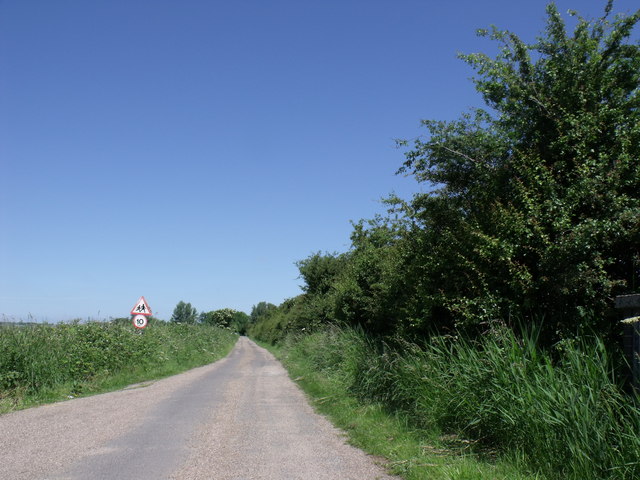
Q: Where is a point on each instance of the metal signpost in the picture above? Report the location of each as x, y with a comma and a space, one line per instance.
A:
629, 306
140, 312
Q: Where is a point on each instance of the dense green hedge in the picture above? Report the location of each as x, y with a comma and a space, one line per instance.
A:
41, 357
529, 211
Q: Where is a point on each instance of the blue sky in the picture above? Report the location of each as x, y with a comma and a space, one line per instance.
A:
195, 150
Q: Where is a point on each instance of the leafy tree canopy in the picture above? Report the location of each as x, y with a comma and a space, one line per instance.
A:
318, 271
536, 207
533, 210
184, 313
220, 318
260, 310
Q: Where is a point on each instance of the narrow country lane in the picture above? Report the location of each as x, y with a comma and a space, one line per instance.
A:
239, 418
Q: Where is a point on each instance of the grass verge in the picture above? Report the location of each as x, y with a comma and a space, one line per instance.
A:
324, 364
46, 363
494, 408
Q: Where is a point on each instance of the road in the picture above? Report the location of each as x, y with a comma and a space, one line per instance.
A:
239, 418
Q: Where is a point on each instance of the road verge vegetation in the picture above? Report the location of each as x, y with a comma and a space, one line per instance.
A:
494, 408
44, 363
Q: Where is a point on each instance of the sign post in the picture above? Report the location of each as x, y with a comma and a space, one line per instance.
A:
140, 311
629, 306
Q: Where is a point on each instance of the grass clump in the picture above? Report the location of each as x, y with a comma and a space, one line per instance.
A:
558, 415
43, 363
327, 365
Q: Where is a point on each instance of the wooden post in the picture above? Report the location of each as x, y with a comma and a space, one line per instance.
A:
629, 307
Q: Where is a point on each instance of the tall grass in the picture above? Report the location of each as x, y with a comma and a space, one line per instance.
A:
49, 360
564, 418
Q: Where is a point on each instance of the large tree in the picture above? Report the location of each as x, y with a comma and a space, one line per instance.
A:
219, 318
184, 313
536, 207
260, 310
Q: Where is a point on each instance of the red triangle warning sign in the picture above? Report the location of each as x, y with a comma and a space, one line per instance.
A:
141, 308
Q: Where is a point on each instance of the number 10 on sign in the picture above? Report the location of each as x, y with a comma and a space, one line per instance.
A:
140, 321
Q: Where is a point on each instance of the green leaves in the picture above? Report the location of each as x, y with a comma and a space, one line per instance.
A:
318, 271
533, 205
527, 218
184, 313
76, 357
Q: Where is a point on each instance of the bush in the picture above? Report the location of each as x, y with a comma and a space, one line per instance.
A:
36, 358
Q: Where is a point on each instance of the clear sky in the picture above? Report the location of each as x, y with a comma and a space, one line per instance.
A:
195, 150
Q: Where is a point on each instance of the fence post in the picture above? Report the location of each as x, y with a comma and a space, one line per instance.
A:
629, 307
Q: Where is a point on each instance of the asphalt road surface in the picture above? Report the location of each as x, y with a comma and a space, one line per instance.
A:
239, 418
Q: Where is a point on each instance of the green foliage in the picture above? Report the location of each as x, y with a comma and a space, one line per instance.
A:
226, 318
75, 358
220, 318
308, 311
260, 310
240, 322
265, 322
564, 419
534, 211
326, 364
537, 210
372, 287
568, 420
184, 313
319, 271
274, 322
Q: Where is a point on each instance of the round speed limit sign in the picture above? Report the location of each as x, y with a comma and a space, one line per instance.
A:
139, 321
